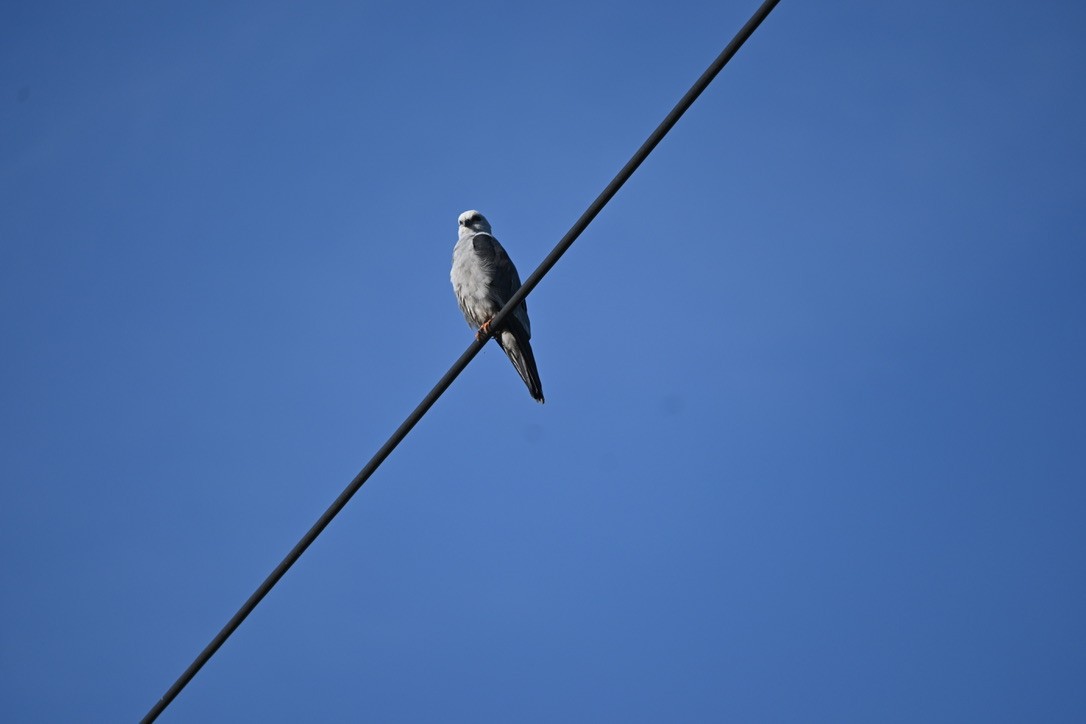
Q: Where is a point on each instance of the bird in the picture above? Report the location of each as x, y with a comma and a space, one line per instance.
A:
484, 279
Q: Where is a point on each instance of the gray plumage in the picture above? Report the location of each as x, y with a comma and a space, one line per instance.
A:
484, 279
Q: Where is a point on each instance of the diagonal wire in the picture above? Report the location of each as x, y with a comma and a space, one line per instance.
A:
443, 384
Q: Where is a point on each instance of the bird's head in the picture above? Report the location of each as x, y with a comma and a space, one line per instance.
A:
473, 222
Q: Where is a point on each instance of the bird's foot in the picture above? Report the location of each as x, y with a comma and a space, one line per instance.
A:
484, 330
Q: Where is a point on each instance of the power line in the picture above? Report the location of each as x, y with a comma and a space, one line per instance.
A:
473, 349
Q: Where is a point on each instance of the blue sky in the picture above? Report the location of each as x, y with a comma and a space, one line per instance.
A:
813, 447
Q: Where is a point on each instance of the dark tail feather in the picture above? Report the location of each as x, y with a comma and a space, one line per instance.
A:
517, 347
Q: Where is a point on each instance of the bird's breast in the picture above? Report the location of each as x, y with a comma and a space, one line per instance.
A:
472, 282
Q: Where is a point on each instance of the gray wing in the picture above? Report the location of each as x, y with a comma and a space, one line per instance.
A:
515, 330
505, 281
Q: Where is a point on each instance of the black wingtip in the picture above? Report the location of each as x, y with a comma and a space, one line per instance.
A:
520, 354
531, 380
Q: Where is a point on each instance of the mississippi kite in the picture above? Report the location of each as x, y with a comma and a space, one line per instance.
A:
484, 279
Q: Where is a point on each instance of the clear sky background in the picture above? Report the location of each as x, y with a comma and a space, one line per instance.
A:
814, 446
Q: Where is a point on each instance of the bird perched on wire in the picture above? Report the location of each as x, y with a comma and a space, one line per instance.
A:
484, 279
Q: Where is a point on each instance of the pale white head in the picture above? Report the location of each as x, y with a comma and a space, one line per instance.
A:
473, 222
